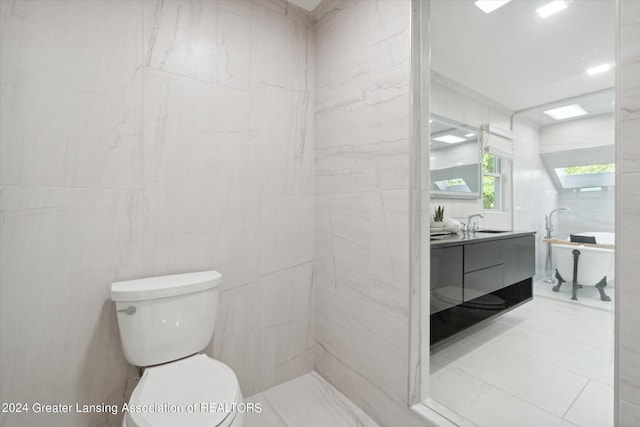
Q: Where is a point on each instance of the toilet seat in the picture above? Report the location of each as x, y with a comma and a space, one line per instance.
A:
181, 393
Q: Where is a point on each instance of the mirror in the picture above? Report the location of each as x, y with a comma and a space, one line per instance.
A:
548, 79
454, 160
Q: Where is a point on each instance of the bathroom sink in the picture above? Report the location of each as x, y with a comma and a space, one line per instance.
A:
493, 231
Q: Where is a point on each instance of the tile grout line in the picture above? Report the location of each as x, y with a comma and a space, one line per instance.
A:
574, 400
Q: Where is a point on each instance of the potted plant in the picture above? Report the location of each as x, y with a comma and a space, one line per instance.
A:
438, 218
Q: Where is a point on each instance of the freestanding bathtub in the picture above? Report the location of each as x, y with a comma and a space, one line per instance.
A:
585, 265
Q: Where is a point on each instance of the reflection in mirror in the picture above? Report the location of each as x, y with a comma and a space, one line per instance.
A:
506, 347
454, 160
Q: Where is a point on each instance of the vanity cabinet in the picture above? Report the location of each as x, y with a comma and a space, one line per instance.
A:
478, 278
519, 256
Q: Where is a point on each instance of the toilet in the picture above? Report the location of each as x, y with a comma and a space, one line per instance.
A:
165, 322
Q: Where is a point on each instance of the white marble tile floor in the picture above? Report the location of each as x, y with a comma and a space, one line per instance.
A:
308, 401
548, 362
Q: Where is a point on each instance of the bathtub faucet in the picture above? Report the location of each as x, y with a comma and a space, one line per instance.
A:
548, 223
548, 267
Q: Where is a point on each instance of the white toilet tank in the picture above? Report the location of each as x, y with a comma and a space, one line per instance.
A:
166, 318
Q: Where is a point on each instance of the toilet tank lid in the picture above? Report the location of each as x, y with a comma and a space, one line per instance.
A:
164, 286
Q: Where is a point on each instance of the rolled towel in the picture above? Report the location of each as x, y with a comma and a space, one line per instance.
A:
452, 225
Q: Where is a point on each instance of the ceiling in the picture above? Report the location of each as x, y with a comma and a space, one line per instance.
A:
519, 59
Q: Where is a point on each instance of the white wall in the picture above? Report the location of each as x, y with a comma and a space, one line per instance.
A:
533, 191
361, 257
592, 211
628, 206
582, 133
142, 138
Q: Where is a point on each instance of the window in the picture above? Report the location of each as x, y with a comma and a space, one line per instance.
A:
492, 182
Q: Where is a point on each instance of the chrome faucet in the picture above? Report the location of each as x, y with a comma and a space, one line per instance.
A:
548, 267
471, 228
547, 219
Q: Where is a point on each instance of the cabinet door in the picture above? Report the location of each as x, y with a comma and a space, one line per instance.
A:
446, 278
519, 256
482, 282
482, 255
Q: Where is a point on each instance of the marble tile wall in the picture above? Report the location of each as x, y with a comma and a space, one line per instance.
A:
144, 138
628, 206
361, 254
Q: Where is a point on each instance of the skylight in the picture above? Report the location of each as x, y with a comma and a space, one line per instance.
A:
551, 8
455, 184
449, 139
589, 169
488, 6
566, 112
587, 177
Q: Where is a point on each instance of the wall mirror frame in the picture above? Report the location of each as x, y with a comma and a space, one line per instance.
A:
455, 159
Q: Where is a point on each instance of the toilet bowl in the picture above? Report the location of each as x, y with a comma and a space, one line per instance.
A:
164, 323
196, 391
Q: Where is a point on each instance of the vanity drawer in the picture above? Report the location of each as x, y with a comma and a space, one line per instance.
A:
446, 278
482, 282
482, 255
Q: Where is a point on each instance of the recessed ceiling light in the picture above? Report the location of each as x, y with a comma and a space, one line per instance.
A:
598, 69
551, 8
449, 139
469, 134
566, 112
488, 6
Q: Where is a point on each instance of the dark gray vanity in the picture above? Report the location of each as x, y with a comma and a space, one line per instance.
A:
477, 277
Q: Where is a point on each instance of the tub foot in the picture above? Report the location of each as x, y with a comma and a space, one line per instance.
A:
556, 288
600, 287
576, 258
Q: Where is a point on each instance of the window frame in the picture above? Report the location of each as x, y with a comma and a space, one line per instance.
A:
498, 182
